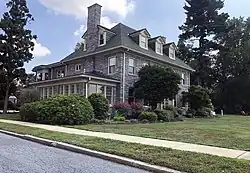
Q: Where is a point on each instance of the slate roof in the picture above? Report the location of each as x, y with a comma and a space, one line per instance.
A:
122, 39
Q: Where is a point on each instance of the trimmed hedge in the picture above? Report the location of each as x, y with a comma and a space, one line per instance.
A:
100, 106
150, 116
58, 110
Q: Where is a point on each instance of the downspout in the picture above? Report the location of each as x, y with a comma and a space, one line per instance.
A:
123, 78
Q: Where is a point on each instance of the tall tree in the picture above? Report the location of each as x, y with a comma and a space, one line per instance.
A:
15, 43
233, 59
156, 84
203, 22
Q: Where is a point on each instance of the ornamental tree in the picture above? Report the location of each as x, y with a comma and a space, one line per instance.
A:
156, 84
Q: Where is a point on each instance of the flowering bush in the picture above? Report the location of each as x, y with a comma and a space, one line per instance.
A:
137, 109
123, 108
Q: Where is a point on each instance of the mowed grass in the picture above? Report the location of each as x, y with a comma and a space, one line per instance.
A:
228, 131
15, 117
180, 160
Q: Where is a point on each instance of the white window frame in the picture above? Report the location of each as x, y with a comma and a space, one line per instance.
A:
131, 65
78, 67
104, 38
157, 43
109, 64
171, 48
140, 41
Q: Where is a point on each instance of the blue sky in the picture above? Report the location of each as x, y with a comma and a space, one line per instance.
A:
59, 24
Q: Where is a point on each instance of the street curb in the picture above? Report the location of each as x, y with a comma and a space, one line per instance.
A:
105, 156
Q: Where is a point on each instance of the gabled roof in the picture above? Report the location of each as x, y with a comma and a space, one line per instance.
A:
161, 38
134, 33
123, 40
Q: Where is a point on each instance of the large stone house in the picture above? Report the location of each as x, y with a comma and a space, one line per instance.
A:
109, 62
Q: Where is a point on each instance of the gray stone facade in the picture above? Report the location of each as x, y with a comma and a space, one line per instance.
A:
96, 59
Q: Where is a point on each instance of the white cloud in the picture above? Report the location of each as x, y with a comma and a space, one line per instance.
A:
106, 21
78, 8
80, 30
40, 50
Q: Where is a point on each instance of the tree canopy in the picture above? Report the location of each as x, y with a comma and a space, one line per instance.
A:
15, 42
156, 84
203, 22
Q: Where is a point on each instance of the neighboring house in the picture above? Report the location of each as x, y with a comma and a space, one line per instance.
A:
109, 62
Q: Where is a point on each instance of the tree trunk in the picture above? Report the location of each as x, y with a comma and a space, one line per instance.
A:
6, 100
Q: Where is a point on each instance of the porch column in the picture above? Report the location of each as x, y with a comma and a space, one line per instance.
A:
69, 90
43, 92
75, 89
105, 92
52, 94
63, 89
43, 76
48, 93
86, 85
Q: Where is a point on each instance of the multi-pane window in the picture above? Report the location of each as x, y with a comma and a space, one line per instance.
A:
78, 67
143, 42
92, 89
171, 53
66, 89
112, 63
60, 73
102, 38
131, 67
159, 48
109, 94
72, 88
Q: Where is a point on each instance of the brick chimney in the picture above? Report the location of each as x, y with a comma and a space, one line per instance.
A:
94, 19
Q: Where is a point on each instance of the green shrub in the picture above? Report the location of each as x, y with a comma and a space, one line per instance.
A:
59, 110
203, 112
28, 95
100, 106
181, 111
150, 116
169, 107
119, 118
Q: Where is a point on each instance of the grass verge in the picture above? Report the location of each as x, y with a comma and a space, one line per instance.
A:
228, 131
175, 159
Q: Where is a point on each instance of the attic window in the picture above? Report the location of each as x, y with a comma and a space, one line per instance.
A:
159, 48
171, 53
143, 42
102, 38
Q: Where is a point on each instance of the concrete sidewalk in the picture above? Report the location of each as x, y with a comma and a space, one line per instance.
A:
225, 152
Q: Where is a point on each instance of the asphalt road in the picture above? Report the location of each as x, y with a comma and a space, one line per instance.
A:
21, 156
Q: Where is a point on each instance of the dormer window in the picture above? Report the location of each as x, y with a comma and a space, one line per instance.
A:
171, 53
78, 67
102, 38
143, 42
84, 44
159, 48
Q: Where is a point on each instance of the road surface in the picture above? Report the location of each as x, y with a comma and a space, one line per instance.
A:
21, 156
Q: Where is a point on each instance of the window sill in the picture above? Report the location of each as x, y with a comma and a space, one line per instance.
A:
130, 74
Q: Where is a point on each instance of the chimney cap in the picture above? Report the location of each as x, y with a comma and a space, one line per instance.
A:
96, 4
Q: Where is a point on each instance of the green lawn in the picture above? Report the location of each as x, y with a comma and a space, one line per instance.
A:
228, 131
15, 117
180, 160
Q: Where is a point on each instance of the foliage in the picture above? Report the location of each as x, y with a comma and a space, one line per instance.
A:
156, 84
150, 116
122, 108
169, 107
58, 110
3, 86
28, 95
100, 105
79, 46
197, 97
137, 109
203, 112
233, 95
16, 42
119, 118
233, 59
164, 115
203, 22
